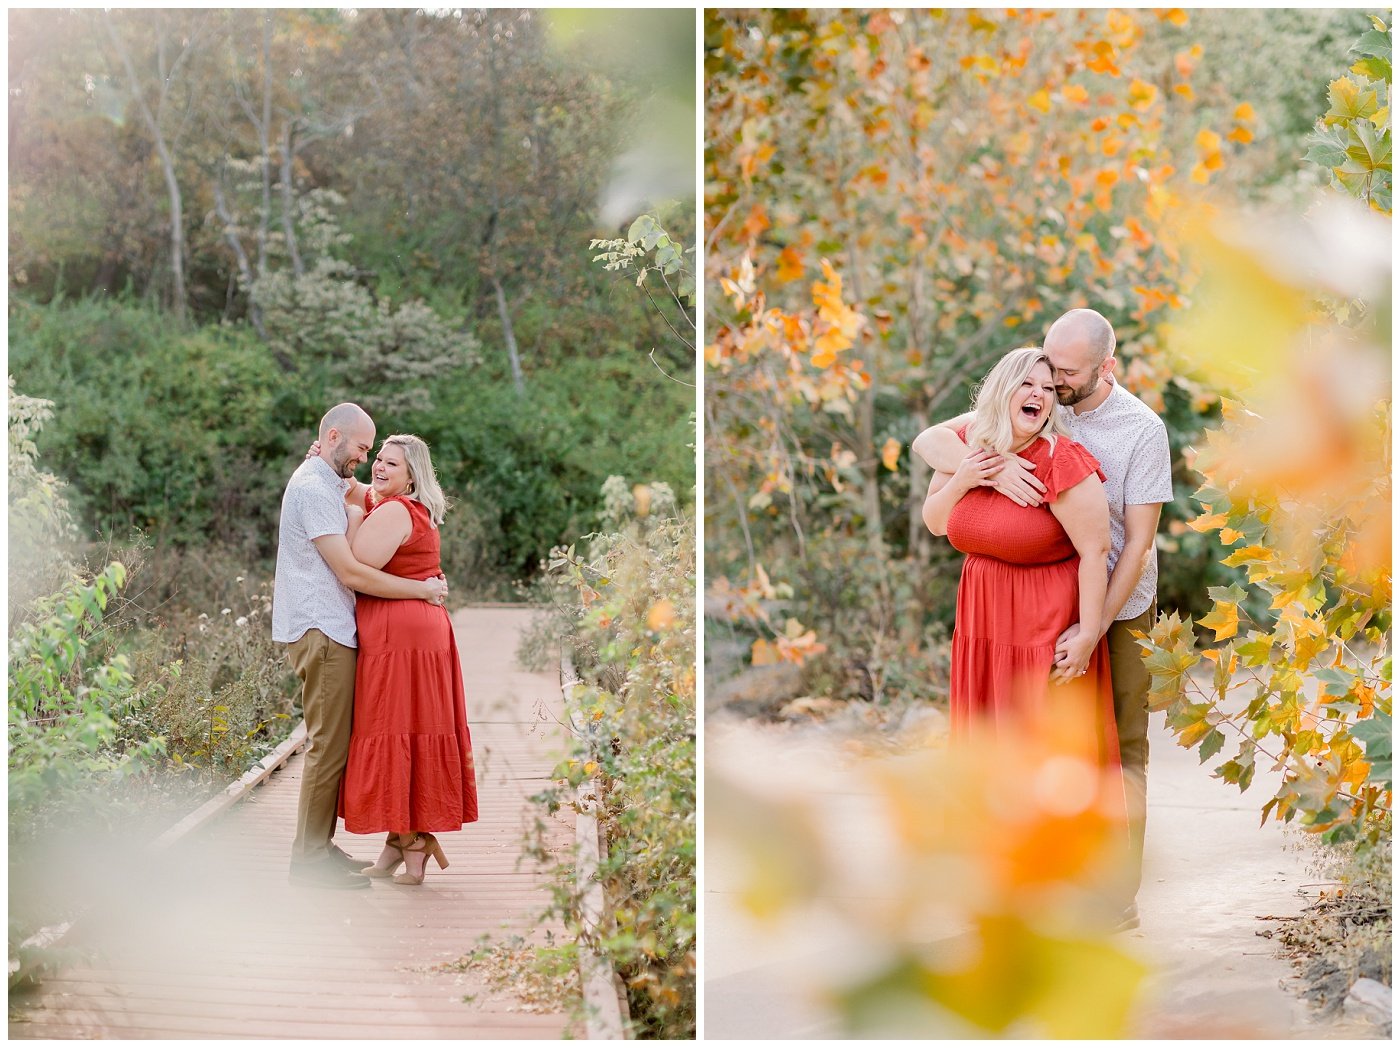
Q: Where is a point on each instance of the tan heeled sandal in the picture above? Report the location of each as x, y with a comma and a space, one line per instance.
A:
389, 859
424, 844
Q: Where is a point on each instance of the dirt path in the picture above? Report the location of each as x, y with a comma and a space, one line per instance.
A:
1209, 872
212, 942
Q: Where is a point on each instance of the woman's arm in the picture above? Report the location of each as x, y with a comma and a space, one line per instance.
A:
1083, 512
945, 489
381, 534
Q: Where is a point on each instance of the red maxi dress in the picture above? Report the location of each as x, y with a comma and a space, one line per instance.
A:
1019, 591
410, 766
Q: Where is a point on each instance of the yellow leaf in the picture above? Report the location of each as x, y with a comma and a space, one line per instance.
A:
1208, 522
1207, 141
889, 455
1224, 619
1141, 94
1040, 100
1229, 536
1075, 93
1242, 135
1245, 554
1244, 111
1176, 16
1184, 90
1199, 174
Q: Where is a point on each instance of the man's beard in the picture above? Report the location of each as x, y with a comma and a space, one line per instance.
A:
341, 462
1073, 395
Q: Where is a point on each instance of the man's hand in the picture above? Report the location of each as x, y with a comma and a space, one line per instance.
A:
1017, 482
976, 469
1072, 654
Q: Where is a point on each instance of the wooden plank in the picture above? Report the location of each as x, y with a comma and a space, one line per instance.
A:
212, 942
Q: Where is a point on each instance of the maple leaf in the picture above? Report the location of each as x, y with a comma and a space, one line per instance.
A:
1224, 619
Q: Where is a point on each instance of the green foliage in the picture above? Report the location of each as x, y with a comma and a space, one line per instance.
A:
1352, 139
65, 705
41, 525
629, 604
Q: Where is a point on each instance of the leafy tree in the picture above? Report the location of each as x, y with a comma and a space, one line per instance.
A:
939, 186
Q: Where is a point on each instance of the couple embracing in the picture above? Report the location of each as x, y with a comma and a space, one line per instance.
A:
359, 600
1053, 486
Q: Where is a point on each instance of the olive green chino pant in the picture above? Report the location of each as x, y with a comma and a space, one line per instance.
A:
327, 673
1131, 683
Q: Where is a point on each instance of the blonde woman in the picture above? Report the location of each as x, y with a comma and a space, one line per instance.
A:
410, 768
1030, 571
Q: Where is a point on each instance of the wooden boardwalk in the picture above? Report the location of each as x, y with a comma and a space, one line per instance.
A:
211, 941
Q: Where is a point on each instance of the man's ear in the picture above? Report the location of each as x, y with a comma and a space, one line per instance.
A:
1108, 366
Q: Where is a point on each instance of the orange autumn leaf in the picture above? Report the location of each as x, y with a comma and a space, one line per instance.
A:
1074, 93
1185, 91
1175, 15
1242, 135
763, 653
889, 454
661, 615
790, 265
1040, 101
1244, 111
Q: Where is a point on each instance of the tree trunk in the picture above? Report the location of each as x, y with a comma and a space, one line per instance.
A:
919, 534
167, 164
511, 350
265, 143
289, 199
245, 269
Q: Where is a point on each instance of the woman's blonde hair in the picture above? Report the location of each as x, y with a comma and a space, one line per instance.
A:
991, 400
422, 479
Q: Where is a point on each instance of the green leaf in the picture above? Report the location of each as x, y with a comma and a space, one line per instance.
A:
642, 227
1211, 744
1374, 733
1329, 147
1373, 42
1368, 148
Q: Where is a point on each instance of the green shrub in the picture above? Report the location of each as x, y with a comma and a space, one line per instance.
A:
629, 604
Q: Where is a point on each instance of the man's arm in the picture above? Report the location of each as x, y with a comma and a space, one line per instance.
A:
362, 578
1139, 536
942, 448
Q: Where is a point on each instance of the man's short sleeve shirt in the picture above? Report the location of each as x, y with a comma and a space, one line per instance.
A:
1130, 442
306, 594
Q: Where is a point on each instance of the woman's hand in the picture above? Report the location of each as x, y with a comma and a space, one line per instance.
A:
977, 469
313, 450
1078, 650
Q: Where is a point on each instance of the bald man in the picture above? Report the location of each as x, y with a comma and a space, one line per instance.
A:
313, 613
1130, 442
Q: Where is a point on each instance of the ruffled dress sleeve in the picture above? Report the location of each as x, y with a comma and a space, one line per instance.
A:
1070, 462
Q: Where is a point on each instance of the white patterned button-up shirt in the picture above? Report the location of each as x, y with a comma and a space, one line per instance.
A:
306, 594
1130, 442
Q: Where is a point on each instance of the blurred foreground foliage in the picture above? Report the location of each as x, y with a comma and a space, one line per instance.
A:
1298, 490
981, 902
624, 599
